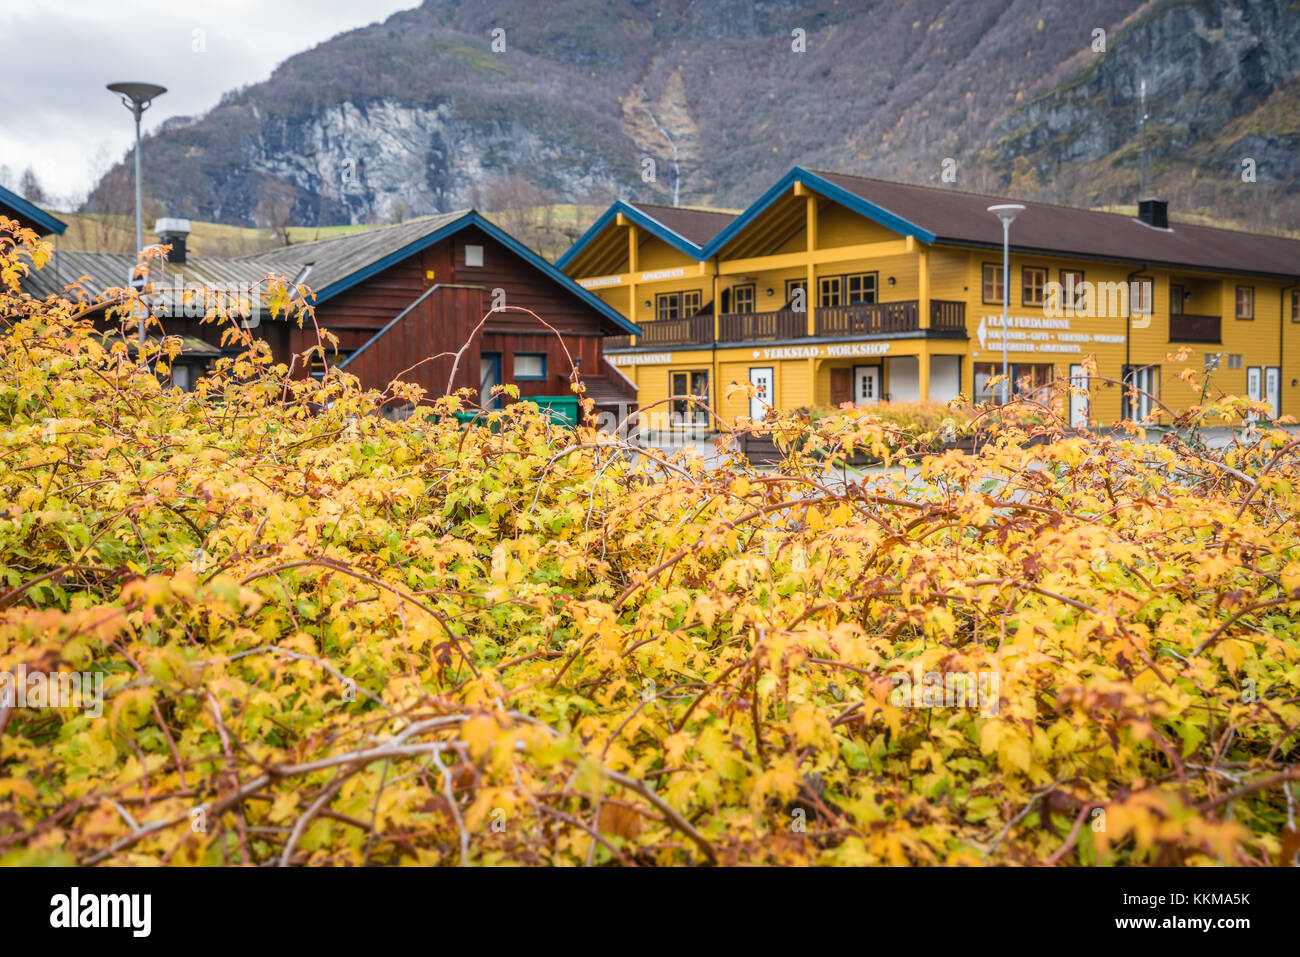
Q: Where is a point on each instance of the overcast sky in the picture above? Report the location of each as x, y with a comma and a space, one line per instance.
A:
59, 54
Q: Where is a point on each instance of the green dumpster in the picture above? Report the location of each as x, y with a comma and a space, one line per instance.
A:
563, 409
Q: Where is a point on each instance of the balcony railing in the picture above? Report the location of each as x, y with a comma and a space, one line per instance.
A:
756, 326
863, 319
868, 319
947, 316
677, 332
1189, 328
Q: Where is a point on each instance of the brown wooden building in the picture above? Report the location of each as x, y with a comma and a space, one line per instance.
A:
402, 300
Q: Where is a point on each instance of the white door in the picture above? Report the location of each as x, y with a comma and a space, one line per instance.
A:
1272, 389
761, 379
1254, 391
1078, 402
866, 385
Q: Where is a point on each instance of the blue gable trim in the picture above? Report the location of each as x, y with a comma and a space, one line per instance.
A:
501, 236
648, 223
830, 191
27, 210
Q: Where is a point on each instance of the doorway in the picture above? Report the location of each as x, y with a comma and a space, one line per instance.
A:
1078, 401
841, 386
489, 376
761, 378
866, 385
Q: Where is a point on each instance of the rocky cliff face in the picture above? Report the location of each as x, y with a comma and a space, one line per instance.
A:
380, 160
720, 97
1220, 80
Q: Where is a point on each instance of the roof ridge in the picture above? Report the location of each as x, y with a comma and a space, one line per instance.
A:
1182, 224
440, 219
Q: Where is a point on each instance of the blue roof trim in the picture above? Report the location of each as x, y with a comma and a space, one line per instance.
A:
35, 214
645, 221
827, 189
472, 218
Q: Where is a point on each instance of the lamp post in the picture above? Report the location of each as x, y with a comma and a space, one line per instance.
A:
136, 97
1006, 212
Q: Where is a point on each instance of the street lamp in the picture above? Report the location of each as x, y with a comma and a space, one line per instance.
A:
136, 97
1006, 212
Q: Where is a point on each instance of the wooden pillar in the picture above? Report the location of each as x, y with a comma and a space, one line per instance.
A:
631, 268
923, 310
810, 218
923, 371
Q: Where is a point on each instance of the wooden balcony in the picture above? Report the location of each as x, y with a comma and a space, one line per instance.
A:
1190, 328
868, 319
948, 316
677, 332
757, 326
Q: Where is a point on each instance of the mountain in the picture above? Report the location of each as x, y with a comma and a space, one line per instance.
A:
707, 102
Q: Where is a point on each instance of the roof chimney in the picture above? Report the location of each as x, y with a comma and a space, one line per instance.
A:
1154, 212
173, 232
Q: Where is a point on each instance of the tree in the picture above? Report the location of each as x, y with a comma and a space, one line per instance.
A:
30, 188
274, 209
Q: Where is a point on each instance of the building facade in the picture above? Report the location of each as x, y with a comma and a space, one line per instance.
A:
833, 288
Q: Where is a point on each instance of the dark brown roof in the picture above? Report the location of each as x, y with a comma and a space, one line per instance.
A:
696, 225
963, 218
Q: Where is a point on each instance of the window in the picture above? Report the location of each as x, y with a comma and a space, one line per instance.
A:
473, 255
1234, 362
742, 298
1141, 387
860, 288
847, 290
1026, 378
689, 382
1295, 306
1177, 296
1071, 288
677, 305
1245, 302
993, 283
530, 366
792, 287
1212, 361
1033, 281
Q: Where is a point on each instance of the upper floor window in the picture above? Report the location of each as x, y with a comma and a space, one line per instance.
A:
796, 295
860, 288
1295, 306
1245, 302
1033, 284
829, 291
677, 305
742, 298
1071, 288
1177, 296
993, 283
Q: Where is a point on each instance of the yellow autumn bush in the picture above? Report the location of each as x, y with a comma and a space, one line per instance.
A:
327, 637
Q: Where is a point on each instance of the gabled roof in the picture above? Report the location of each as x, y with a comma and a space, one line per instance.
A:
33, 217
948, 216
686, 230
339, 264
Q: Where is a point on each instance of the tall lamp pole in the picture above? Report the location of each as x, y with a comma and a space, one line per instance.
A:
136, 97
1006, 212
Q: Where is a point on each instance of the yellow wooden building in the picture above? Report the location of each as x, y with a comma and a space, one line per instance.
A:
834, 288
